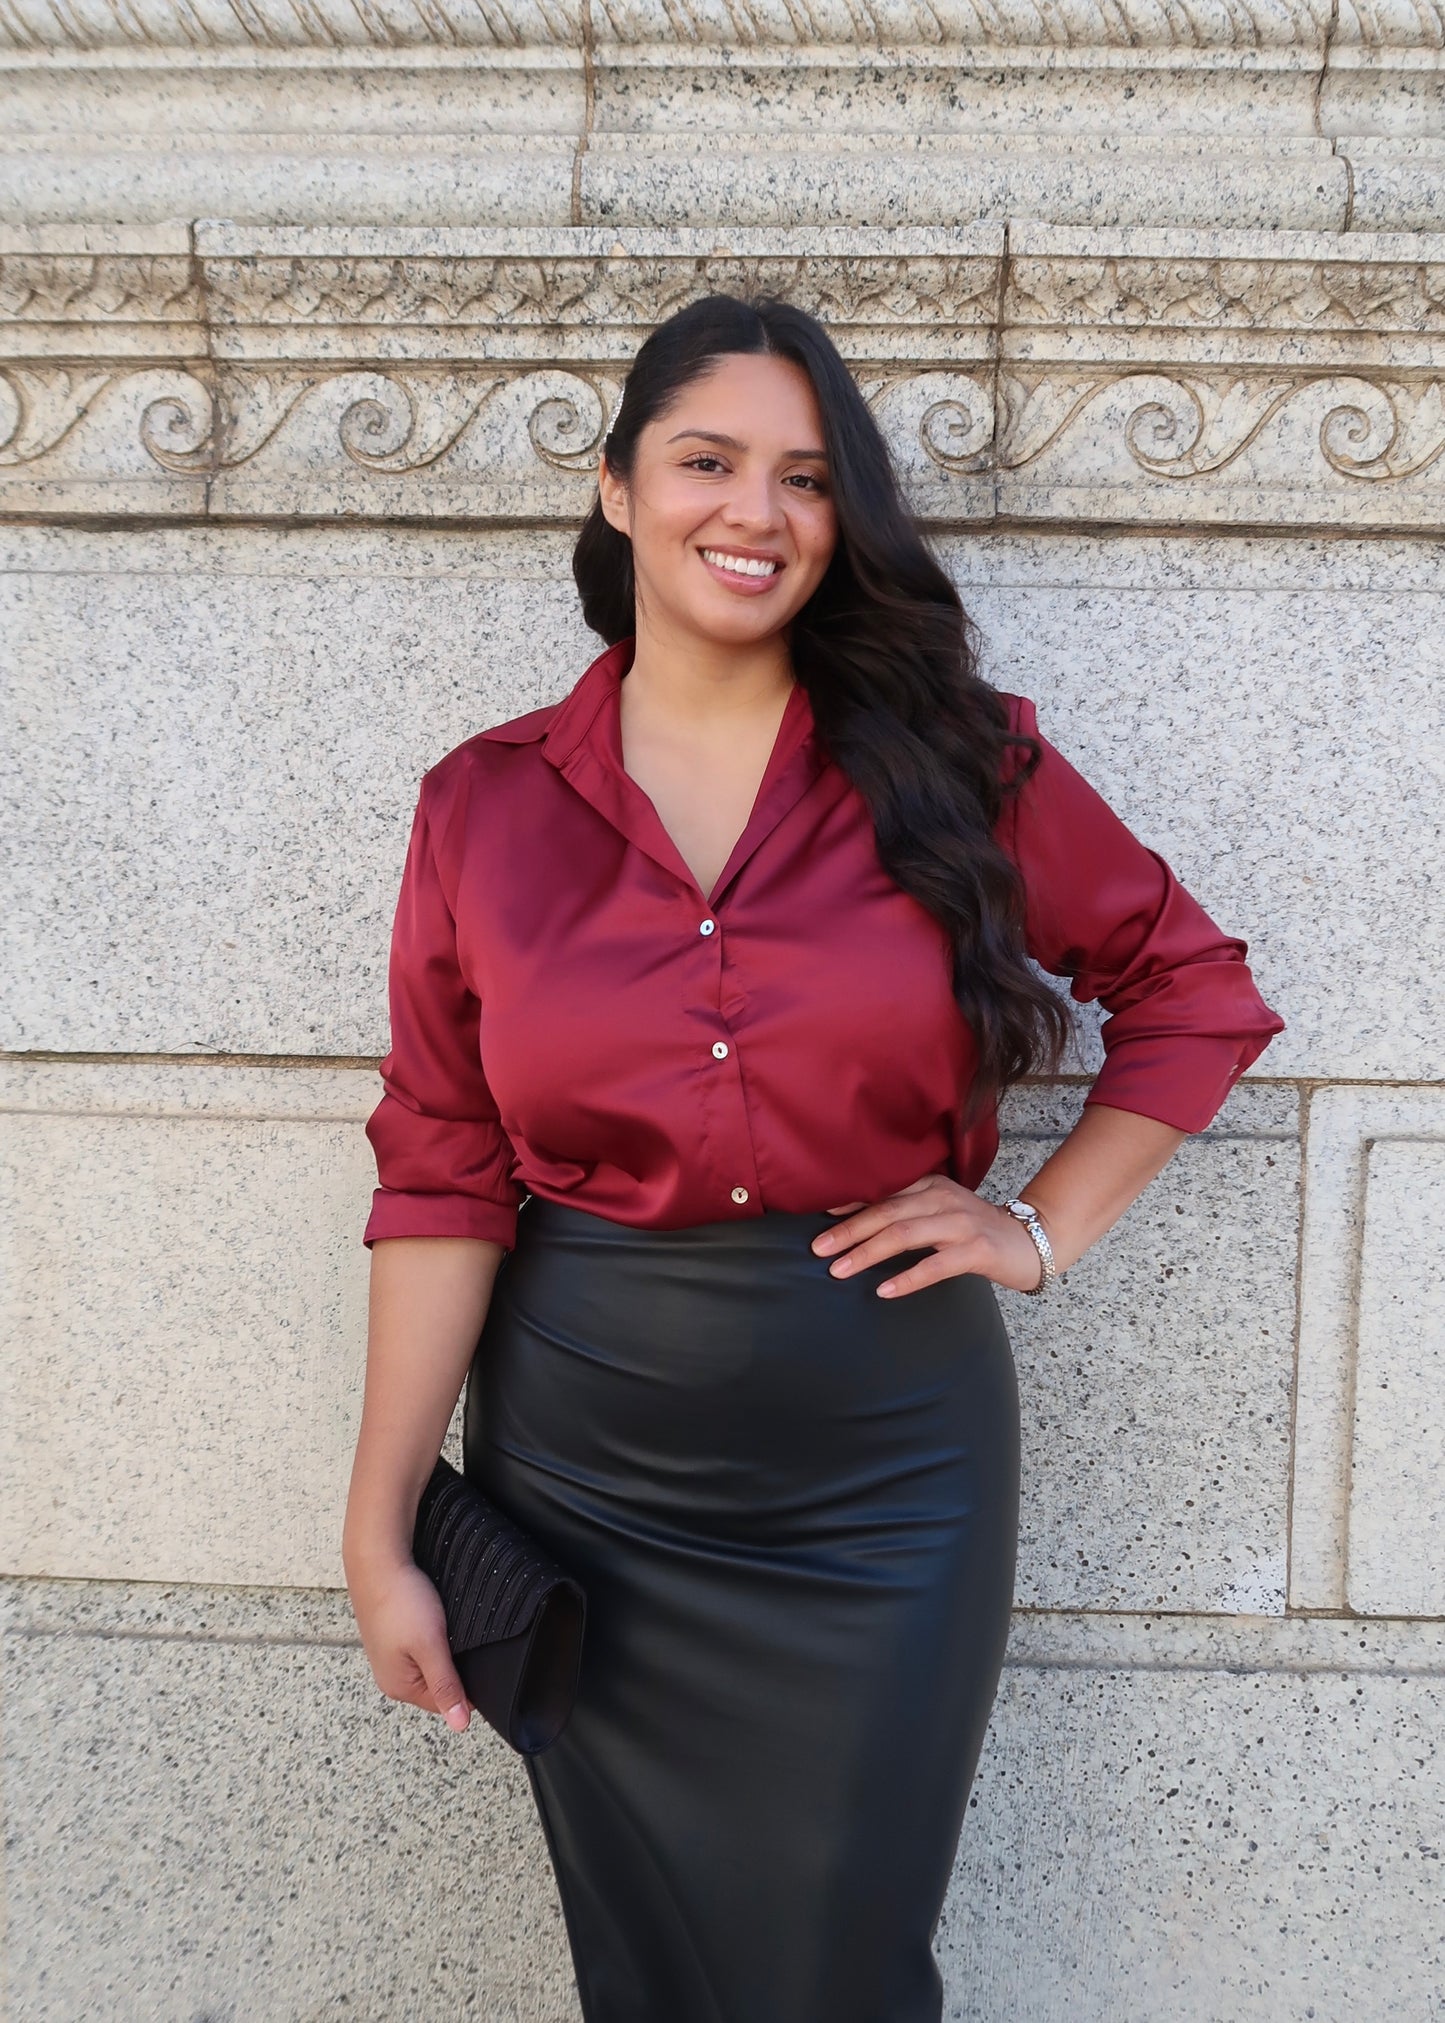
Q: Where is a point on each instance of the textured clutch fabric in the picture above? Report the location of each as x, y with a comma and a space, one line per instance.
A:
514, 1618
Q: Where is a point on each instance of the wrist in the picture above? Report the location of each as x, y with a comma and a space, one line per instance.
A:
374, 1548
1031, 1222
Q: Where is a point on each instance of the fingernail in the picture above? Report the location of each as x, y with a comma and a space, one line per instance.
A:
840, 1265
824, 1242
885, 1290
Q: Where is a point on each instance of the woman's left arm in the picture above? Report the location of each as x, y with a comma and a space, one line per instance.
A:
1185, 1021
1081, 1190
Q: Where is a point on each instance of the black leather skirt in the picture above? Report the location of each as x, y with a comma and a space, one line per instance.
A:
794, 1507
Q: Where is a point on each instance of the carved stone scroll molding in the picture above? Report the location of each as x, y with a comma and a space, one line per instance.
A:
1261, 447
1033, 374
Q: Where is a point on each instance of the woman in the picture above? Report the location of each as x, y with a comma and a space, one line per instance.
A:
705, 982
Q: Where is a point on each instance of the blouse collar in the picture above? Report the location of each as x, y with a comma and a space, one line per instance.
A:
582, 737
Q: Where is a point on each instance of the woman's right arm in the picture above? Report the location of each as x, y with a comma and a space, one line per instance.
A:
442, 1218
428, 1302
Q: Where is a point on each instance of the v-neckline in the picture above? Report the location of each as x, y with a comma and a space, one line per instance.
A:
585, 743
764, 782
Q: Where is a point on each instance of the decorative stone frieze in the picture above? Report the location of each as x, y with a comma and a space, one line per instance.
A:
1030, 372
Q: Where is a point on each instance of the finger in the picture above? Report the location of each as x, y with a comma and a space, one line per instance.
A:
879, 1213
830, 1242
928, 1271
905, 1232
448, 1695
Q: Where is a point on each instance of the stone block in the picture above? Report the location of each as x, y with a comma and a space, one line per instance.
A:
1168, 1827
301, 179
1342, 1124
1398, 181
213, 1812
219, 775
1294, 184
185, 1320
222, 735
1277, 800
1155, 1378
1396, 1555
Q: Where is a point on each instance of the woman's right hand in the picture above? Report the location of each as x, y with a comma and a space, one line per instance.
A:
404, 1634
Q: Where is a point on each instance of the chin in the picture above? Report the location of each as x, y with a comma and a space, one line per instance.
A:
744, 626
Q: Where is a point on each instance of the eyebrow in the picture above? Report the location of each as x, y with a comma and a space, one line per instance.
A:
732, 443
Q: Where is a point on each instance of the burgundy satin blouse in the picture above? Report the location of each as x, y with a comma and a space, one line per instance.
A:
572, 1017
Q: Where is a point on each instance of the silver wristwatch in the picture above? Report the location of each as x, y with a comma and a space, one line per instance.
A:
1022, 1212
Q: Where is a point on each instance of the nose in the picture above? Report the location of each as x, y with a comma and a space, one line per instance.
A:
753, 502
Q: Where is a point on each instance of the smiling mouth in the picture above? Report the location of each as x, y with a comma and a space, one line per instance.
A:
740, 565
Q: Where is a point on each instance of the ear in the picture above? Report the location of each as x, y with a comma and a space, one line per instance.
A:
612, 496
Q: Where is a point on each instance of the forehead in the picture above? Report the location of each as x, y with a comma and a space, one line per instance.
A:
755, 398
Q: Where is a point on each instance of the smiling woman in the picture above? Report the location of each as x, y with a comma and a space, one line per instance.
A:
730, 535
705, 981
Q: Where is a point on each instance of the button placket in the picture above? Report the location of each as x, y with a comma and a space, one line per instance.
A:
721, 1050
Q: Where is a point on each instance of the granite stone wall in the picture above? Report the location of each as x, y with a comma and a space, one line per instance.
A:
312, 313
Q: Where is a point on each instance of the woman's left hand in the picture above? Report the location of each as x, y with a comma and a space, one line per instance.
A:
968, 1234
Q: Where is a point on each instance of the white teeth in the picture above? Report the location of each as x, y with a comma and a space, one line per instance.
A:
739, 565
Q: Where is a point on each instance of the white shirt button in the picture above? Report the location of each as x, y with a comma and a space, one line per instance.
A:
707, 927
720, 1048
740, 1194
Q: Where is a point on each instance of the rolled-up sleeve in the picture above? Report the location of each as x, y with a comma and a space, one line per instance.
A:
443, 1159
1103, 909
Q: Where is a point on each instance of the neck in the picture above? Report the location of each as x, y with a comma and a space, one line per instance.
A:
693, 680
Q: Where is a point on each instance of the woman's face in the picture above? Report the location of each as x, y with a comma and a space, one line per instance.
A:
734, 471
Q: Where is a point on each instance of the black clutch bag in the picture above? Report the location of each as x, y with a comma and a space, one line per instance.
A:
514, 1618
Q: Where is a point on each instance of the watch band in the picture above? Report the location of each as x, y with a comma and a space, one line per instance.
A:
1024, 1212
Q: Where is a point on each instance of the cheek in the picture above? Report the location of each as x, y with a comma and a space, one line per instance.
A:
663, 524
816, 534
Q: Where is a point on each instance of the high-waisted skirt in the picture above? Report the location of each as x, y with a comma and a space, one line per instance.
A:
794, 1507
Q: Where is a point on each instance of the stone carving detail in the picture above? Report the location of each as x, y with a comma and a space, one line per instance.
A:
106, 288
585, 291
948, 416
409, 24
38, 409
1070, 374
410, 424
566, 436
1282, 294
1177, 425
1396, 429
1194, 425
178, 433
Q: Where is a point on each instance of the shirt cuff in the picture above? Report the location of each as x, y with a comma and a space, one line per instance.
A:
394, 1213
1182, 1080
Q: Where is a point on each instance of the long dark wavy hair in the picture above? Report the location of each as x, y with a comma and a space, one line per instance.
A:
888, 658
